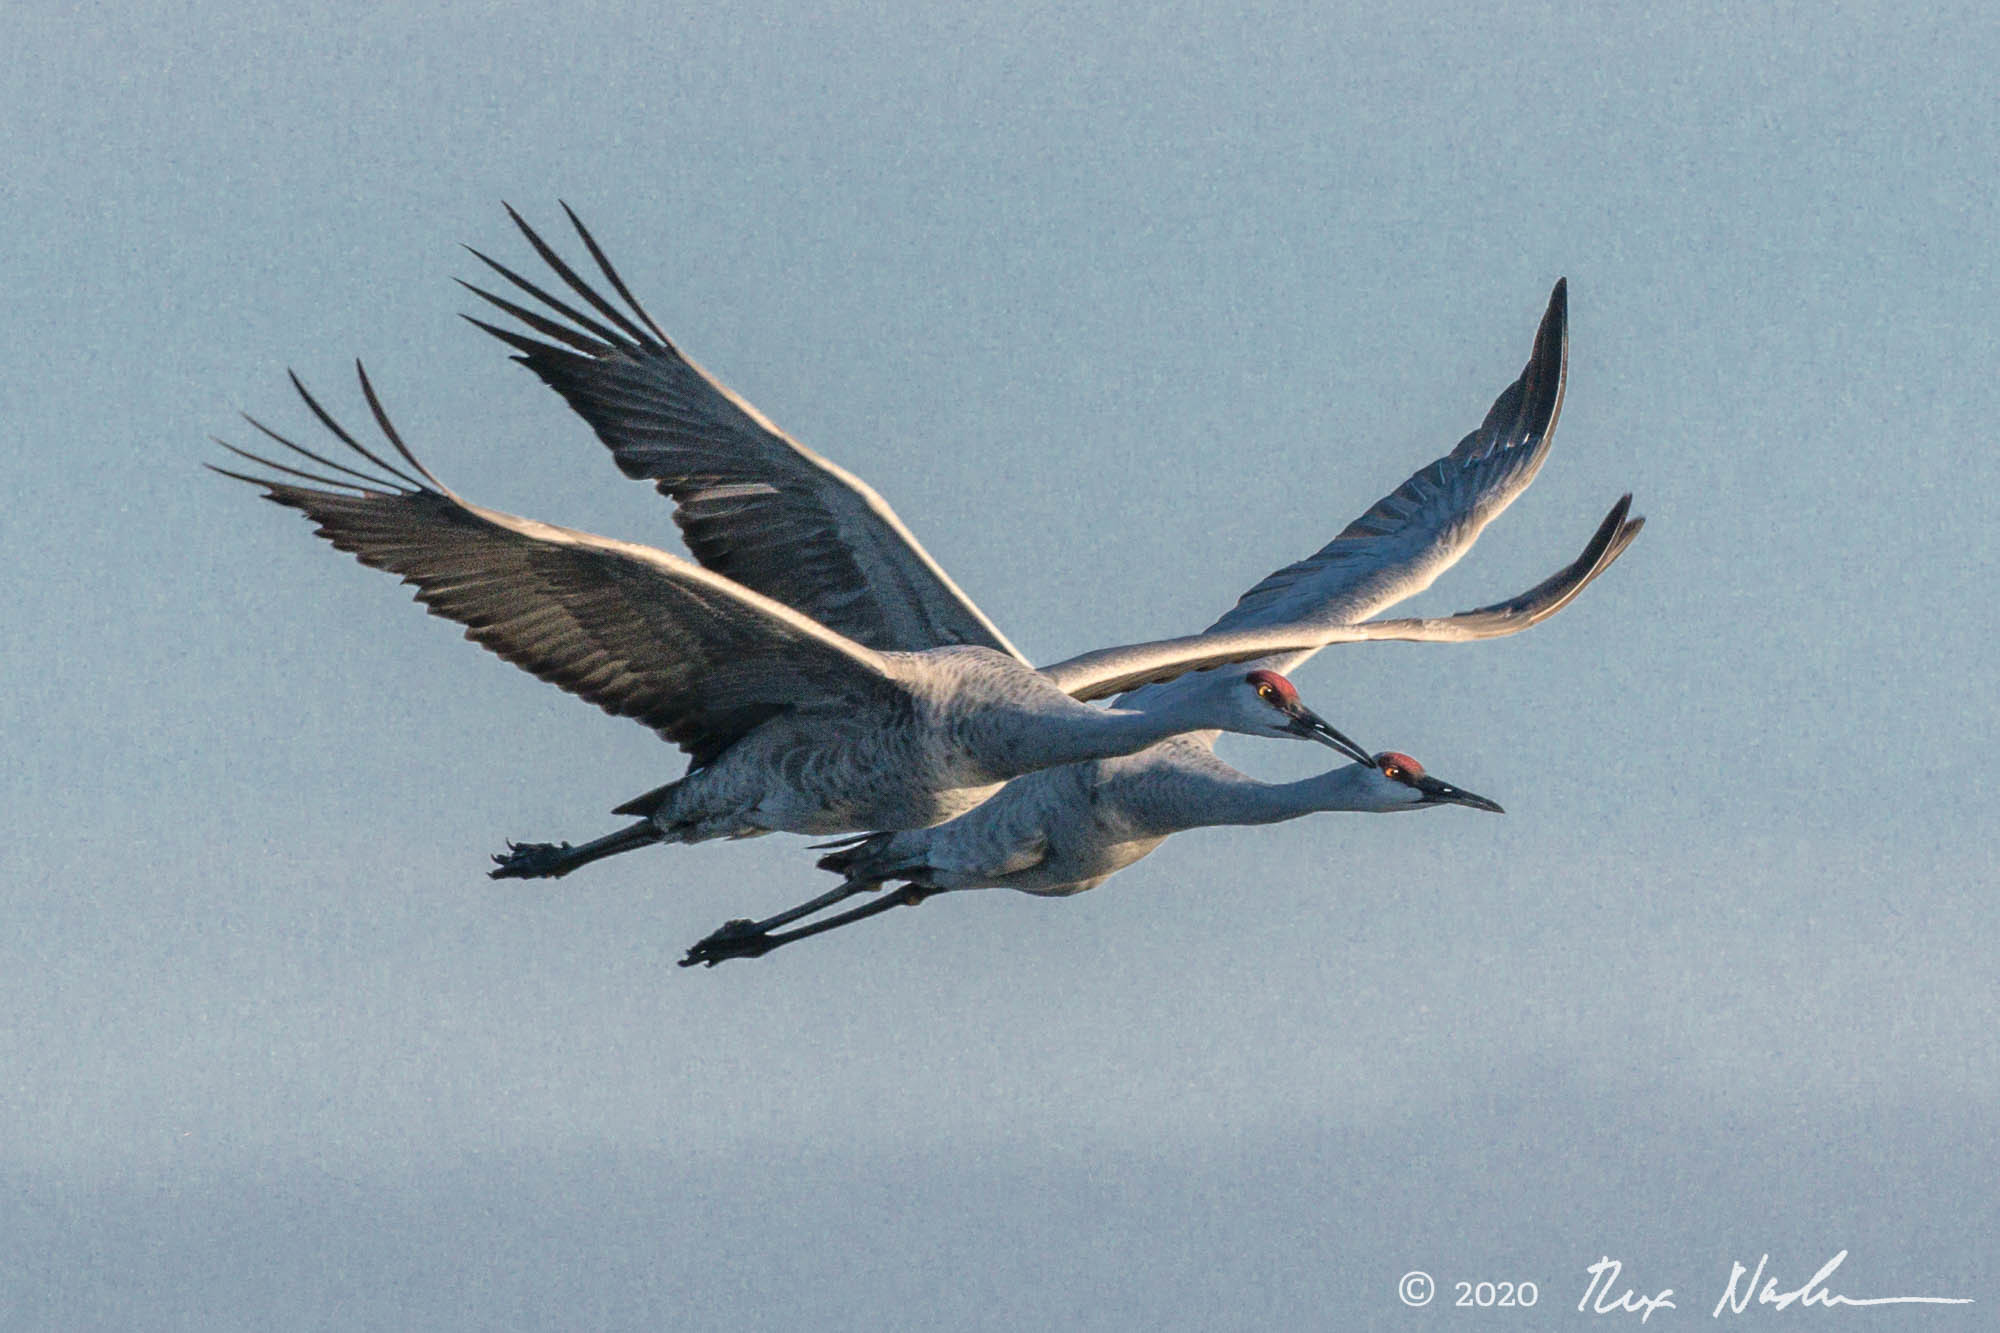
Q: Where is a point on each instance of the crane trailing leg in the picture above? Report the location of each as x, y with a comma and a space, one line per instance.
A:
753, 939
553, 860
862, 863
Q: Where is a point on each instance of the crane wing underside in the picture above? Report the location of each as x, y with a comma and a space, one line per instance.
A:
636, 631
752, 503
1416, 532
1113, 671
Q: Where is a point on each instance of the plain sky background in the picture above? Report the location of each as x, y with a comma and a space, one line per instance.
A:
1121, 310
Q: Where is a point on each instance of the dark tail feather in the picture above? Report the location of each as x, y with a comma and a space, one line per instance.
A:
855, 854
648, 805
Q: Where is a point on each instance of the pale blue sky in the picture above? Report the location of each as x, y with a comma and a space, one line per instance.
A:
1120, 312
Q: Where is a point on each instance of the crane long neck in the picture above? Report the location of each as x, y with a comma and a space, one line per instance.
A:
1100, 733
1236, 798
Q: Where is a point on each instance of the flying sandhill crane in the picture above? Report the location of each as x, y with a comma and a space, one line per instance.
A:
761, 507
788, 724
1063, 830
1076, 827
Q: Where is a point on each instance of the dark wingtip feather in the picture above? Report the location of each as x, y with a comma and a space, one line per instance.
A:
340, 433
389, 429
371, 483
611, 274
575, 283
553, 302
591, 347
322, 460
1557, 591
1548, 364
239, 476
1613, 535
530, 349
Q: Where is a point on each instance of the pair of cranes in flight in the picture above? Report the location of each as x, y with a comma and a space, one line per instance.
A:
825, 676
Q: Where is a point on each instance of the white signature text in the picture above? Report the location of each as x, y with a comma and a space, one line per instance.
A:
1738, 1295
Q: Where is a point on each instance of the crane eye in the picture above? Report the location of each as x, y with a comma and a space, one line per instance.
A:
1391, 771
1266, 693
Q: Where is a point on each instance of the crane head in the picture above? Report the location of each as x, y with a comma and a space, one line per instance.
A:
1414, 789
1269, 705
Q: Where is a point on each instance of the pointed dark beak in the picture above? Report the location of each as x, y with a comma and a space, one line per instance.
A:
1443, 793
1311, 726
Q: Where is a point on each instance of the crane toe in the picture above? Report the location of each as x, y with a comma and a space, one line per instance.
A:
733, 939
530, 860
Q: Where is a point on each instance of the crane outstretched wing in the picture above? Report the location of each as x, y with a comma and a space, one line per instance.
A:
1110, 671
753, 503
1419, 530
1535, 605
638, 632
